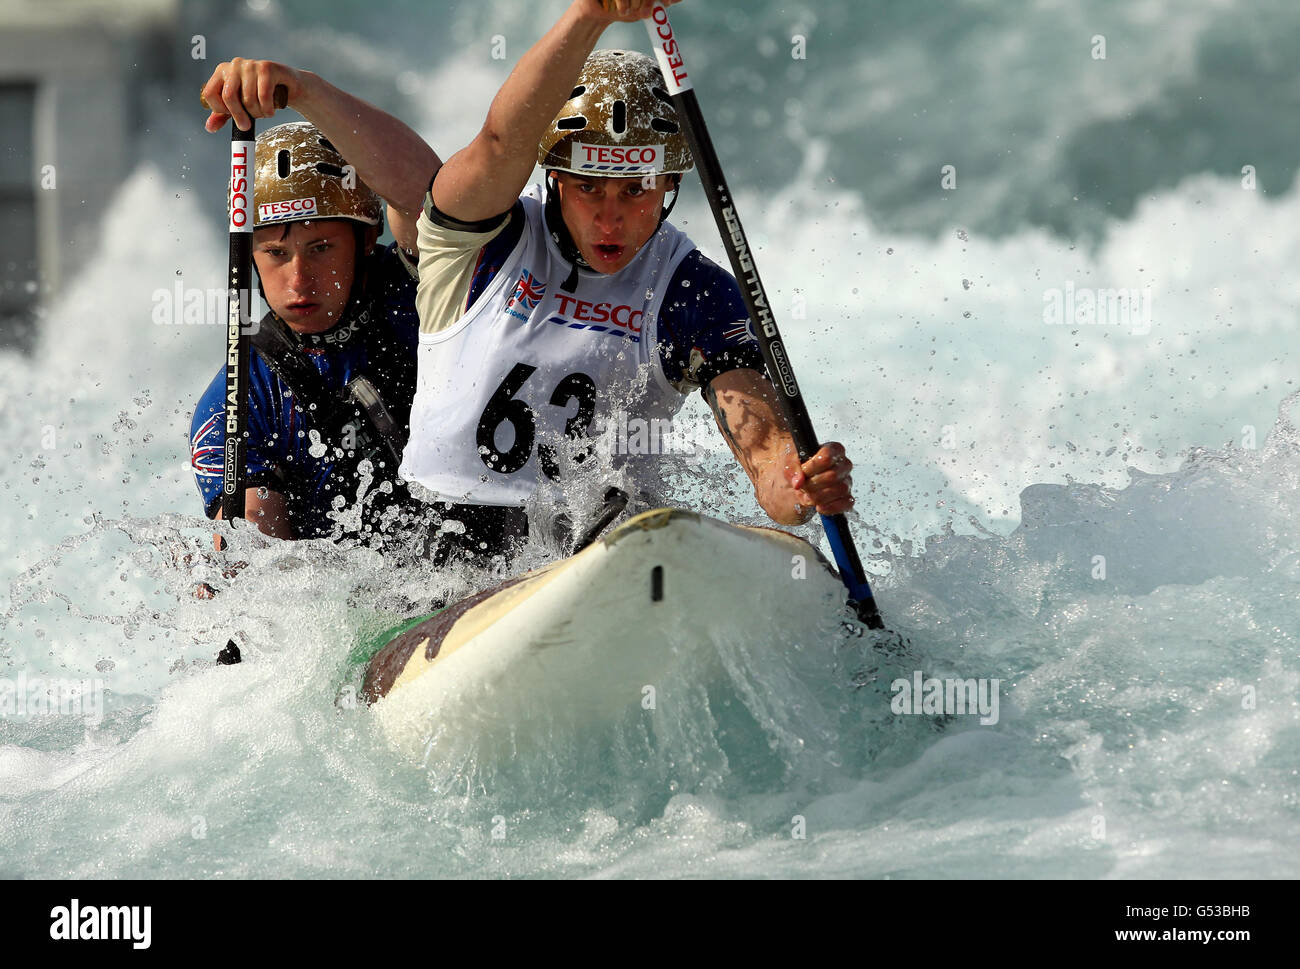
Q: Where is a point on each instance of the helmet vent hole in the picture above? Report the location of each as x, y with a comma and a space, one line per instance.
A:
619, 123
578, 91
662, 95
325, 168
576, 123
282, 162
664, 126
325, 142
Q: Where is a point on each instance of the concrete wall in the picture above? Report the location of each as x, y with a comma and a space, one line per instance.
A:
90, 62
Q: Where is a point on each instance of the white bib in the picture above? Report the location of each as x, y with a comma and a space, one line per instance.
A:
531, 366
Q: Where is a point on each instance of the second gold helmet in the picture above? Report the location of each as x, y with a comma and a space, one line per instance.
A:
300, 175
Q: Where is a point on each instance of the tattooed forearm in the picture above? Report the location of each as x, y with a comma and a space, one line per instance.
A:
711, 397
750, 423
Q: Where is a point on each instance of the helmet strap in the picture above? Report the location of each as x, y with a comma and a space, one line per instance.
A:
560, 234
677, 193
360, 264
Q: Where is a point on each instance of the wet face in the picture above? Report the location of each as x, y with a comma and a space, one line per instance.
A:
610, 219
306, 270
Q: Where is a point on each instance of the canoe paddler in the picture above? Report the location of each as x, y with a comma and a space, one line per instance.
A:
544, 308
333, 372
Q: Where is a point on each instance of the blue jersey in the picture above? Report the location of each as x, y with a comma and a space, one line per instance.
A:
379, 345
703, 325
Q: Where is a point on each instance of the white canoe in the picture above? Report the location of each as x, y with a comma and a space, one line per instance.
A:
591, 635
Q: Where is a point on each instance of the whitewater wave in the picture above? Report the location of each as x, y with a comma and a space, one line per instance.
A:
1100, 516
1150, 695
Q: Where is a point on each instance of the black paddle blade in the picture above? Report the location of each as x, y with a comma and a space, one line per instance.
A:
615, 501
228, 656
867, 613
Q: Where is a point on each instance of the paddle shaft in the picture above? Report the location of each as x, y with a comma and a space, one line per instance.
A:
672, 64
239, 284
238, 293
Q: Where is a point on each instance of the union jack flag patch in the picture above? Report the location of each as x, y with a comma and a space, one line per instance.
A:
529, 291
208, 460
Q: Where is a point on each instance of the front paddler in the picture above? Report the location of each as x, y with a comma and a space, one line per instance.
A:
544, 308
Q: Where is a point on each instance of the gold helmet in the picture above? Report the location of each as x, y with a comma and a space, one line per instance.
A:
619, 121
301, 176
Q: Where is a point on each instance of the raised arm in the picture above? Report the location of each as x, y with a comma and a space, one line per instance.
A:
388, 156
485, 178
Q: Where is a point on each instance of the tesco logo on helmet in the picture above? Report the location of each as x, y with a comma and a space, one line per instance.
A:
617, 158
289, 209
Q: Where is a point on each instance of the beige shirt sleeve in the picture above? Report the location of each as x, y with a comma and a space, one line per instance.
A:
447, 261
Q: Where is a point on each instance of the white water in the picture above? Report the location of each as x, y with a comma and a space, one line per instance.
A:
1149, 720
